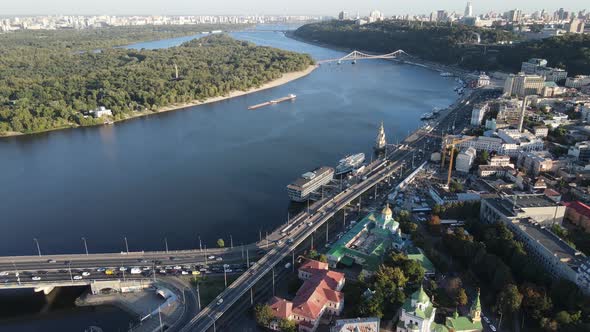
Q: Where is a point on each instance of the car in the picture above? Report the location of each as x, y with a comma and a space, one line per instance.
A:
122, 268
219, 302
146, 268
85, 273
135, 270
4, 273
492, 327
51, 261
184, 272
101, 269
219, 259
162, 271
77, 277
211, 257
109, 272
196, 273
487, 320
35, 278
178, 267
229, 270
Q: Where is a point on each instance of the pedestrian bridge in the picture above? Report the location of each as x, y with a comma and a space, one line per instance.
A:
356, 55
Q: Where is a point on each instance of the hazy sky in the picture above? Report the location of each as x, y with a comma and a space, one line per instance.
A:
311, 7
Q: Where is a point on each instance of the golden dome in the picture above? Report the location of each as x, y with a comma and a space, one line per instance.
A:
387, 211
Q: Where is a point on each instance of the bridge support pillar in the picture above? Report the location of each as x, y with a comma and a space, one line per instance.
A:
45, 290
251, 296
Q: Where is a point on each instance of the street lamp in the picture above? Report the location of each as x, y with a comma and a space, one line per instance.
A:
166, 243
38, 249
85, 245
126, 245
214, 330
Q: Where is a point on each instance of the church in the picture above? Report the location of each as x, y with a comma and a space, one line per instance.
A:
417, 315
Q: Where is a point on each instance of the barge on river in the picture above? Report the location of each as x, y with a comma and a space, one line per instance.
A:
272, 102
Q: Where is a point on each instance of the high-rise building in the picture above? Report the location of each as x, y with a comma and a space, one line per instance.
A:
442, 15
576, 26
468, 10
521, 85
343, 15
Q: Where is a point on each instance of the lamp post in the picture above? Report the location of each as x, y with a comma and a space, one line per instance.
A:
85, 245
126, 245
38, 248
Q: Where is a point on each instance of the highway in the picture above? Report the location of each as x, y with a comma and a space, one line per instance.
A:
305, 224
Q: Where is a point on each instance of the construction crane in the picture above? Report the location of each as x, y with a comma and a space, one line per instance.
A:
449, 145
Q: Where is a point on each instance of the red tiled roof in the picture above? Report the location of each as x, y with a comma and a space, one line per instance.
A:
580, 207
316, 292
311, 265
281, 308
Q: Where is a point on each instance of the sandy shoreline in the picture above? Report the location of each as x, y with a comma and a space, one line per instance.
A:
286, 78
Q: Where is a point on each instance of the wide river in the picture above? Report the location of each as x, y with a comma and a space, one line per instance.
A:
211, 171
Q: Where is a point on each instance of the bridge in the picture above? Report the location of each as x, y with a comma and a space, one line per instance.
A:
356, 55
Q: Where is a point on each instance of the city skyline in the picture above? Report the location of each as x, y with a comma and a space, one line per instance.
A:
269, 7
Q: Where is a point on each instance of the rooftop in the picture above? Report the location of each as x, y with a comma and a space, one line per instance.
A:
551, 242
368, 324
304, 179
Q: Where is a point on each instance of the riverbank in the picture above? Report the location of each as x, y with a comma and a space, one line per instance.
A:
286, 78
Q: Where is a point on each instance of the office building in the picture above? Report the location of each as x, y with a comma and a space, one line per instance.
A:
522, 85
533, 163
536, 66
576, 26
507, 209
478, 113
465, 159
580, 151
468, 10
577, 81
343, 15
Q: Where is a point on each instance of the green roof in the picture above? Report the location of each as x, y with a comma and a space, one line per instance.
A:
462, 324
348, 261
423, 260
420, 295
476, 304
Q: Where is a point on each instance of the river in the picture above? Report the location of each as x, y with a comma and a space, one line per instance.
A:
211, 171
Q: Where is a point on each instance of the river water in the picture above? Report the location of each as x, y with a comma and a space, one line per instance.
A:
207, 171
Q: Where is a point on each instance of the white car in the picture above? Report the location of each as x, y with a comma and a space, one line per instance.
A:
122, 268
85, 274
35, 278
492, 327
178, 267
77, 277
219, 259
220, 301
101, 269
184, 272
162, 271
211, 257
487, 320
4, 273
135, 270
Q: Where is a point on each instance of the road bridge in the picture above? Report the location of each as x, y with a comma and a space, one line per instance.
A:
356, 55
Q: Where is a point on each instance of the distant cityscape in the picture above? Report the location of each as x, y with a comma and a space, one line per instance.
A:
53, 22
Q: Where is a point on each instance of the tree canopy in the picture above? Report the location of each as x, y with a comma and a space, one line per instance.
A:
48, 78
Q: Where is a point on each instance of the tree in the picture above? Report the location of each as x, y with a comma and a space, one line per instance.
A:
461, 298
263, 314
286, 325
455, 186
313, 254
323, 258
220, 243
510, 299
534, 301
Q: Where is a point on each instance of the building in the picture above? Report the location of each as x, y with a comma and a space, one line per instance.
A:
540, 131
483, 80
343, 16
580, 151
576, 25
468, 10
375, 16
533, 163
478, 113
578, 214
577, 81
551, 89
500, 161
521, 85
539, 67
583, 278
465, 159
370, 324
309, 182
538, 207
484, 171
365, 242
417, 315
482, 143
516, 141
100, 112
320, 294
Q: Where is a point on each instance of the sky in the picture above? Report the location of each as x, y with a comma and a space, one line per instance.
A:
278, 7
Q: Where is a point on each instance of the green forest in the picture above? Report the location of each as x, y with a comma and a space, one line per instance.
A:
453, 44
48, 78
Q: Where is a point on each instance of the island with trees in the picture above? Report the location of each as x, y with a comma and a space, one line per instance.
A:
452, 43
51, 79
